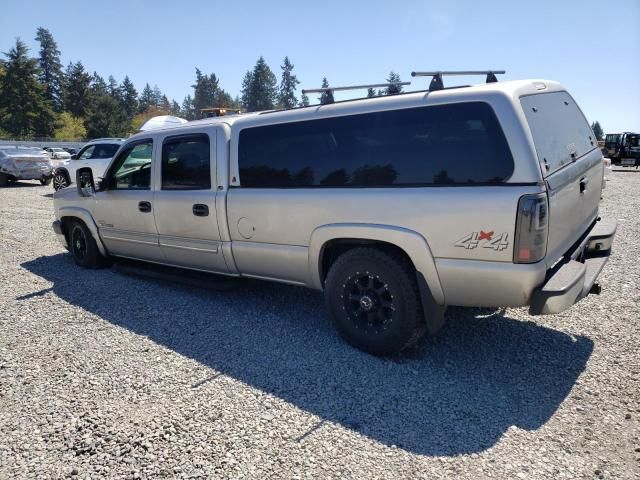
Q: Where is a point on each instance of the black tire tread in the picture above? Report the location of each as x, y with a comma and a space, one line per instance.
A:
391, 261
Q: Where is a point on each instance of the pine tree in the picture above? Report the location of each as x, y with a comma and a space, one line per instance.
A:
259, 88
107, 118
77, 94
326, 97
287, 95
371, 92
98, 86
174, 109
129, 97
187, 110
206, 92
157, 97
164, 104
597, 130
50, 69
304, 101
25, 109
393, 89
113, 88
146, 99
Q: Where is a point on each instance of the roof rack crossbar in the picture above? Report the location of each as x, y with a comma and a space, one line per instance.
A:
353, 87
436, 80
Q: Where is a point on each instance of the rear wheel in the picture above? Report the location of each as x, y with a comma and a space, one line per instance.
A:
374, 301
83, 247
60, 180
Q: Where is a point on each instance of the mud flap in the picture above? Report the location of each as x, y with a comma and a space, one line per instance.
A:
433, 312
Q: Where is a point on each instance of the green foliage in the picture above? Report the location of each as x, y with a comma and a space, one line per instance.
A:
25, 110
287, 94
129, 97
77, 98
259, 88
393, 89
146, 99
69, 127
597, 130
326, 97
188, 111
304, 101
371, 92
50, 69
107, 118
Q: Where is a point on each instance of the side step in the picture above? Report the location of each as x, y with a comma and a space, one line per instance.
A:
190, 278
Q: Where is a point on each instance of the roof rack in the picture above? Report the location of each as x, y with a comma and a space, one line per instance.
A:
436, 81
354, 87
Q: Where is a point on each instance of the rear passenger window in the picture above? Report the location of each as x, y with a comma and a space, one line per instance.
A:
458, 144
560, 132
186, 163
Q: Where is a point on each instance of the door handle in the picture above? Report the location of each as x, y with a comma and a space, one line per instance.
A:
583, 184
144, 207
200, 210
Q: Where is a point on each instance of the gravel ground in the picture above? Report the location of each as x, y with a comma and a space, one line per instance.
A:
107, 375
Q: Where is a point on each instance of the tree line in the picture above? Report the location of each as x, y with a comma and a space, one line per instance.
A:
41, 98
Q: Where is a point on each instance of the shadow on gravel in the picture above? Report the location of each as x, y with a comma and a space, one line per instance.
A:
456, 393
22, 184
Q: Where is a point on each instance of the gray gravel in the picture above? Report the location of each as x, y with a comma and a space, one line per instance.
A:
107, 375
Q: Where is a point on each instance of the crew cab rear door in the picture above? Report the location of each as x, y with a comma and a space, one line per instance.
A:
571, 165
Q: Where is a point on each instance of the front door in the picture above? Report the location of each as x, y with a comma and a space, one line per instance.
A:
124, 211
184, 202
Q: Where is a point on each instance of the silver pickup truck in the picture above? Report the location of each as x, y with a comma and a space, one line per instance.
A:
395, 207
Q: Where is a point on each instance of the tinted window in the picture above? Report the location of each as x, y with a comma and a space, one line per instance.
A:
132, 168
446, 145
186, 163
560, 132
86, 152
104, 150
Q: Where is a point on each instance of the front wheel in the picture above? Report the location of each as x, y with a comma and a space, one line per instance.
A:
374, 301
60, 180
83, 247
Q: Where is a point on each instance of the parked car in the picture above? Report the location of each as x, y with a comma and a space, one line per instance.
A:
57, 153
96, 154
24, 163
396, 207
70, 151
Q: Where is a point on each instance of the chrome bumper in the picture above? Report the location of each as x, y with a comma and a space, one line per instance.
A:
576, 277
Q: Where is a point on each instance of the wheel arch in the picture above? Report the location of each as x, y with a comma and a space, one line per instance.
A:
411, 244
68, 214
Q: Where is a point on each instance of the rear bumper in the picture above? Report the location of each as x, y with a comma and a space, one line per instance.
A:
576, 276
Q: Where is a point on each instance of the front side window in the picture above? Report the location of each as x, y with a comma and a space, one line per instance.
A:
104, 150
458, 144
86, 152
186, 163
132, 168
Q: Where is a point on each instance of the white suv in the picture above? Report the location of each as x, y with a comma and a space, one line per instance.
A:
96, 154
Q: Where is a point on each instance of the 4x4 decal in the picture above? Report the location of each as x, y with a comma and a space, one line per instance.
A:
485, 239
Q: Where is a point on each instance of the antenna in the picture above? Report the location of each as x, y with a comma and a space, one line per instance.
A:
353, 87
436, 80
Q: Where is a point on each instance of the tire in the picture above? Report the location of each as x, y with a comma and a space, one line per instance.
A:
83, 247
4, 180
374, 301
45, 180
60, 180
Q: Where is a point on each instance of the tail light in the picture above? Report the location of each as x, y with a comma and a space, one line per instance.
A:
532, 229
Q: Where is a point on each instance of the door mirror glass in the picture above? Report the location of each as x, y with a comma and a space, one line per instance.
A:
84, 182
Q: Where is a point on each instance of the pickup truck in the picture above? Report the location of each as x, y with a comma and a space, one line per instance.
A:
395, 207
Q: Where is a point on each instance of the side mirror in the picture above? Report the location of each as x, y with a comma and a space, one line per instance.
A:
84, 182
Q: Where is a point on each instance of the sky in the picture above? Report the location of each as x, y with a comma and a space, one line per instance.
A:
592, 47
